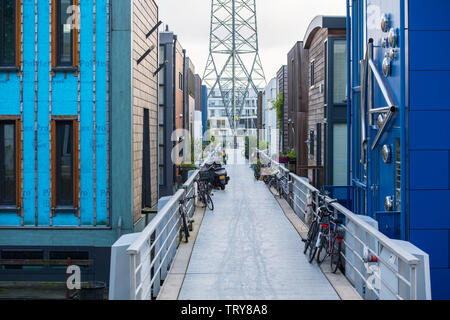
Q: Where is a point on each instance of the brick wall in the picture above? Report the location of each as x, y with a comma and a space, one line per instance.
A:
145, 90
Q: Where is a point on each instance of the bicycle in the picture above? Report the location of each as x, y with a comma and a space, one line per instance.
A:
329, 239
204, 193
317, 228
184, 220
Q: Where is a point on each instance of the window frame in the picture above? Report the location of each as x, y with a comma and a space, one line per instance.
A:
312, 73
17, 35
75, 165
17, 164
56, 41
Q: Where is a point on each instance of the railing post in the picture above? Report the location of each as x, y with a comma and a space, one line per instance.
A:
413, 280
132, 277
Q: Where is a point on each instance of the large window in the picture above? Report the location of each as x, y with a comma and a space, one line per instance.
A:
340, 72
65, 164
9, 32
8, 163
65, 20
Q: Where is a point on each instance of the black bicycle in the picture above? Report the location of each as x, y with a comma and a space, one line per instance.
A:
204, 193
185, 221
318, 227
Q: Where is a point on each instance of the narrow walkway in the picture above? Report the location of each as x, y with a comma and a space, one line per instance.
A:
248, 250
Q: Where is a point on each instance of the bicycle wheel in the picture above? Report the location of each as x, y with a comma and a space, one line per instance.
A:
309, 236
185, 227
313, 246
209, 203
335, 260
322, 252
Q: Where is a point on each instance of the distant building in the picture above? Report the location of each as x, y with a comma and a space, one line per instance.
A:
298, 97
282, 87
77, 132
325, 41
269, 116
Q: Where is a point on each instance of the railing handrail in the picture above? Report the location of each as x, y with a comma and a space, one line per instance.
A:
134, 248
383, 239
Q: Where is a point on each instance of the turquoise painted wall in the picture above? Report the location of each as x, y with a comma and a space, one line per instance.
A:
67, 101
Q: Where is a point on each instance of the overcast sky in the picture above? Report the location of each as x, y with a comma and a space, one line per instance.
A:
280, 24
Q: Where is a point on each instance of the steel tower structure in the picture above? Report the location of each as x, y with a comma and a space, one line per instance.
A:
234, 65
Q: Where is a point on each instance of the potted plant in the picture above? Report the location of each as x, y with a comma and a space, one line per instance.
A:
185, 168
292, 160
283, 158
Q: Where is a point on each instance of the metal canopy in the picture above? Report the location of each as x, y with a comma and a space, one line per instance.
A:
234, 66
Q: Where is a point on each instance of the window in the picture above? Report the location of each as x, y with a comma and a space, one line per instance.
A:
9, 163
180, 81
146, 176
64, 163
312, 79
10, 33
340, 154
311, 142
65, 17
340, 72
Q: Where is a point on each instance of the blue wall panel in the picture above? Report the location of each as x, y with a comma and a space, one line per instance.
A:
440, 278
43, 127
10, 103
435, 243
28, 115
429, 130
426, 88
64, 94
101, 112
426, 176
423, 15
427, 211
86, 113
429, 50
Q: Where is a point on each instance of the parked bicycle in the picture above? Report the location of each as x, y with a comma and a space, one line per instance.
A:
185, 220
276, 181
204, 193
319, 227
331, 244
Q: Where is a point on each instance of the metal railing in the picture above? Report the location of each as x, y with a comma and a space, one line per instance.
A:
371, 259
152, 253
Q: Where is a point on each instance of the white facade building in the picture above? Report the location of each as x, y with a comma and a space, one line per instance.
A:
269, 117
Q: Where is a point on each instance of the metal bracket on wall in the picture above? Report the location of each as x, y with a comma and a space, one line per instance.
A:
146, 54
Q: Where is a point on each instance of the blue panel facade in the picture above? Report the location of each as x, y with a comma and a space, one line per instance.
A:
80, 95
417, 174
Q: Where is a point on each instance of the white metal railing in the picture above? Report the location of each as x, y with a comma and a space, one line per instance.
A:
393, 272
152, 253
